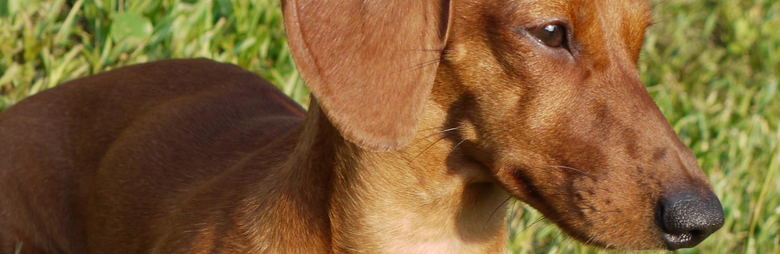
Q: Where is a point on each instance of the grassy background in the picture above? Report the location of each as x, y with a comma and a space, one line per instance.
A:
711, 65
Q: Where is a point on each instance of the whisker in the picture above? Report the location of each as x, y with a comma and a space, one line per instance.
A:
424, 64
496, 210
532, 223
441, 132
560, 238
513, 213
434, 142
592, 237
428, 147
569, 240
456, 146
575, 170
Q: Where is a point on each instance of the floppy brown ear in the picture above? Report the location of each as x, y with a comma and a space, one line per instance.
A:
370, 63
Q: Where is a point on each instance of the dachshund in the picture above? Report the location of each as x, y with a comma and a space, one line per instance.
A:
425, 117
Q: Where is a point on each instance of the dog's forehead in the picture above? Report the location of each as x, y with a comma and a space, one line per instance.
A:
577, 11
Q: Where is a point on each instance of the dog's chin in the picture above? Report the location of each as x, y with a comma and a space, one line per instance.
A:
627, 242
603, 235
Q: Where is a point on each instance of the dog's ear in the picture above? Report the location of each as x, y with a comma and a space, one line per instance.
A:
370, 63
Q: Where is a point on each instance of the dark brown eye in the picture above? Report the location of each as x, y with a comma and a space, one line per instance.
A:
551, 35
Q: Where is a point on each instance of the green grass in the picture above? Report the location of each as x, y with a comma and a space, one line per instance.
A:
46, 42
712, 66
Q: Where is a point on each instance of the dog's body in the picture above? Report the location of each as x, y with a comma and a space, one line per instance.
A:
254, 182
192, 156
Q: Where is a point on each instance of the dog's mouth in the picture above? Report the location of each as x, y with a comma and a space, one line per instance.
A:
611, 214
584, 212
607, 203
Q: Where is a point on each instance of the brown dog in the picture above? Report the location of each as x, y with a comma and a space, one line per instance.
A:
428, 116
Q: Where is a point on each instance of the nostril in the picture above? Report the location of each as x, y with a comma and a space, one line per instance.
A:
686, 218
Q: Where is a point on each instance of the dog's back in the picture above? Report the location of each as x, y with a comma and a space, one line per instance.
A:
204, 101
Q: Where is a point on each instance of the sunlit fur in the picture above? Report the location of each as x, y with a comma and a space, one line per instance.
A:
192, 156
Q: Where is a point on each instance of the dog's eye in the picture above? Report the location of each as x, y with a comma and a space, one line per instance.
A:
552, 35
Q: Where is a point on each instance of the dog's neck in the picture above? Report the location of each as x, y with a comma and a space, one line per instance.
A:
424, 198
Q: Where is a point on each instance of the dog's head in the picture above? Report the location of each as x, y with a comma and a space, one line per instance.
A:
545, 95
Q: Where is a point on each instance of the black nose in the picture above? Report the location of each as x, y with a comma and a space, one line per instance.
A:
686, 218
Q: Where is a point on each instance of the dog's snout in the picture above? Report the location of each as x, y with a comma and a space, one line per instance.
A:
686, 218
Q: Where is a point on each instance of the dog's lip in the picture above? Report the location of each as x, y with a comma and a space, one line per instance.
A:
678, 241
678, 237
587, 234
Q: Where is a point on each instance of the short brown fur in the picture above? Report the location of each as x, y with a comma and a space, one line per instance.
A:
416, 136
